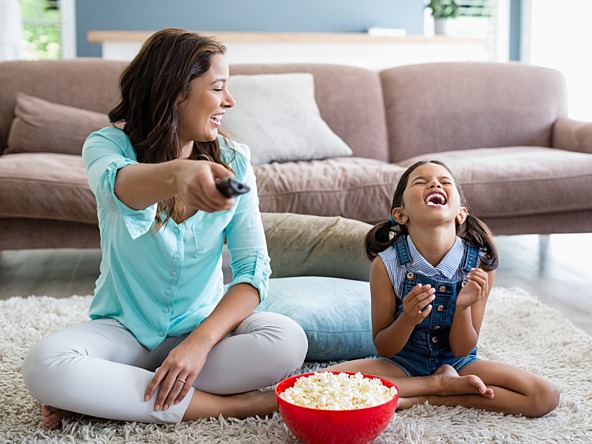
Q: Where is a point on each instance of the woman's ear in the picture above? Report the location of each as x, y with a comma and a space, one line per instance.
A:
399, 216
462, 215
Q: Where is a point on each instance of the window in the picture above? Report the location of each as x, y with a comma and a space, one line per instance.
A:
41, 29
557, 34
483, 19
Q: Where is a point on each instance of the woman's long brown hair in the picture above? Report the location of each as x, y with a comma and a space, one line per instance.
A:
150, 87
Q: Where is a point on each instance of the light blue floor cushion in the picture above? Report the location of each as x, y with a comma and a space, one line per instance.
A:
334, 313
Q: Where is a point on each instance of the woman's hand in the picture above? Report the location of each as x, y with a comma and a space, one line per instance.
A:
416, 305
176, 375
475, 289
195, 181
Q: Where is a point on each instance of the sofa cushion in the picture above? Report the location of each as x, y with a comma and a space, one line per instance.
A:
334, 313
349, 99
447, 106
351, 187
520, 181
42, 126
303, 245
45, 186
277, 116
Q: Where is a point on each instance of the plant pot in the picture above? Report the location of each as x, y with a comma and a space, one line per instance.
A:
441, 26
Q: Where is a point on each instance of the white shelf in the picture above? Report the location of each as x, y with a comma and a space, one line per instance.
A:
357, 49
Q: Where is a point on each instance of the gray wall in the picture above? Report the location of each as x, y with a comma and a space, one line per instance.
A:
515, 28
243, 15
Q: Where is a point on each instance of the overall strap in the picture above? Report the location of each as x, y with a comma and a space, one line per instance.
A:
471, 257
402, 249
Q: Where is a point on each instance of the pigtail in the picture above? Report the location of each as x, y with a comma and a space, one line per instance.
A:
476, 232
381, 236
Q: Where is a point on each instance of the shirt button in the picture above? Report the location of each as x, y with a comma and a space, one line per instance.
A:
442, 288
161, 333
440, 308
177, 230
176, 256
434, 339
168, 292
410, 275
173, 273
165, 309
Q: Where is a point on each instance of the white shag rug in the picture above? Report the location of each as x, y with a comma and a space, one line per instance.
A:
518, 329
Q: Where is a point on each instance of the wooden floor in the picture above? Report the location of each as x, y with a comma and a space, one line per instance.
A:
554, 268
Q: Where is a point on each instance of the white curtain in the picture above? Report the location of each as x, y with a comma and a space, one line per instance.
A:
557, 34
11, 31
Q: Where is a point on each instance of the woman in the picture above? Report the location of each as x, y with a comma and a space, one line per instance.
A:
167, 341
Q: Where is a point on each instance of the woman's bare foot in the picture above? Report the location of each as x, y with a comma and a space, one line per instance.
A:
52, 417
454, 384
258, 402
243, 405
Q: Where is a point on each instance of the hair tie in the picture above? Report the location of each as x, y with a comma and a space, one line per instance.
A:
393, 222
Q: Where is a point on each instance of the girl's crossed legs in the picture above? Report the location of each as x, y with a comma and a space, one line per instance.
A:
482, 384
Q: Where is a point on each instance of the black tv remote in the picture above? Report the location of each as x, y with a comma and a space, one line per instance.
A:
231, 187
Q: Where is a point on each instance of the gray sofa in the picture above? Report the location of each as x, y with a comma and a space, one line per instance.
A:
501, 127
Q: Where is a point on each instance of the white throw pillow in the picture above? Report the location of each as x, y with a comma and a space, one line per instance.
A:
277, 116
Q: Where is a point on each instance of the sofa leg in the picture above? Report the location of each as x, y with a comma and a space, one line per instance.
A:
544, 240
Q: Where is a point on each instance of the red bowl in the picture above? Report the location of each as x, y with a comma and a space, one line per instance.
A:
318, 426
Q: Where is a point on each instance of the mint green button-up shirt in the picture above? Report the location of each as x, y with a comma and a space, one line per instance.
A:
165, 283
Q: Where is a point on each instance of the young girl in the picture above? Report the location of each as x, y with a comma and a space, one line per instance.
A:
432, 271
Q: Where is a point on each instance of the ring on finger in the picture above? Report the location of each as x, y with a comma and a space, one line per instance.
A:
181, 380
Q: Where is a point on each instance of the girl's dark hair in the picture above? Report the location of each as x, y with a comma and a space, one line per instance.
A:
150, 87
473, 231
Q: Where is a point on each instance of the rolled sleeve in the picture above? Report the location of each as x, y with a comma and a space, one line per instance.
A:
256, 274
137, 222
104, 153
245, 235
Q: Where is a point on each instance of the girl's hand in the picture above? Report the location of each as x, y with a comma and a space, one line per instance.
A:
183, 363
417, 303
475, 289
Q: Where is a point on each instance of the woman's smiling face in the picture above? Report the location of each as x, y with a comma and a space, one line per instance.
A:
201, 112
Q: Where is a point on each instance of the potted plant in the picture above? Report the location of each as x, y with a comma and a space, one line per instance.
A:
442, 11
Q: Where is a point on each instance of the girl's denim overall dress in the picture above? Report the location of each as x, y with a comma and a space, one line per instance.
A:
428, 347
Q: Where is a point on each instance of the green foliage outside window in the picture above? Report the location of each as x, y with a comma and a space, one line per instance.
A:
41, 29
459, 8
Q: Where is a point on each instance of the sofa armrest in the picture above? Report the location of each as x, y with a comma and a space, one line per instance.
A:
303, 245
572, 135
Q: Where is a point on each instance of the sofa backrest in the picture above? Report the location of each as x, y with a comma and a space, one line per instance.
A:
349, 99
435, 107
391, 115
90, 84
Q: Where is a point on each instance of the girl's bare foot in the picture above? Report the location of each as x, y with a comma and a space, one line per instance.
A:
52, 417
454, 384
449, 383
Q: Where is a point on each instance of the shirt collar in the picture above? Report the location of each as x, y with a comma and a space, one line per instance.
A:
447, 266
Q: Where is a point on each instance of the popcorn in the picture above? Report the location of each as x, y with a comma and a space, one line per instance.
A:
342, 391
